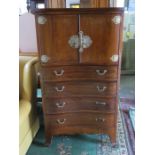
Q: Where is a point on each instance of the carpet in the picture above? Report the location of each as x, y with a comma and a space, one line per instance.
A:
94, 144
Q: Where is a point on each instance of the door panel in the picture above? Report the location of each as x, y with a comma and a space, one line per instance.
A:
53, 39
105, 39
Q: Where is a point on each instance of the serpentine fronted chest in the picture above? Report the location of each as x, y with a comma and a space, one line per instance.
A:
80, 57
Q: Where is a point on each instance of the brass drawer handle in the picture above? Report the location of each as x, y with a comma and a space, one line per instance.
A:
100, 119
61, 121
101, 72
101, 103
59, 73
60, 89
101, 89
60, 105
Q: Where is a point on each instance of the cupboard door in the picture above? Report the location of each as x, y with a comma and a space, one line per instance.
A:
53, 37
104, 34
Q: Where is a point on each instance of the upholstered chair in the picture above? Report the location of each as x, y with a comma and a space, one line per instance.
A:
28, 118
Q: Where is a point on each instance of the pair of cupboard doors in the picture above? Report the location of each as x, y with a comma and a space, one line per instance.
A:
79, 39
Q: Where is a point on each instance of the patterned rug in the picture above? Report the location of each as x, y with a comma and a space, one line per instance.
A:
96, 144
127, 108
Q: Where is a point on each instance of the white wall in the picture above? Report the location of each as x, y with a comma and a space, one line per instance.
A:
120, 3
22, 7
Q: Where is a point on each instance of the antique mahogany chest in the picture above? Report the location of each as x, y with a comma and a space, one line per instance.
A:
80, 57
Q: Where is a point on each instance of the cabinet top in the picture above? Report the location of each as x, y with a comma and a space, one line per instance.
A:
77, 10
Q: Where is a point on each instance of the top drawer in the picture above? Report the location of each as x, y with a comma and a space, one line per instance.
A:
68, 73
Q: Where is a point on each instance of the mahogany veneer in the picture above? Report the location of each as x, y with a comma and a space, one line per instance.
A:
80, 57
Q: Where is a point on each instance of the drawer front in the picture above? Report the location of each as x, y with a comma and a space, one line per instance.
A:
81, 119
67, 73
79, 104
69, 89
81, 129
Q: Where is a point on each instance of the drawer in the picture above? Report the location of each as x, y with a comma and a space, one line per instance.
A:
81, 119
89, 89
79, 104
67, 73
82, 129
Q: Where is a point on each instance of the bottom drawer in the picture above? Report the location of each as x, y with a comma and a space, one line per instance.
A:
83, 129
97, 120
